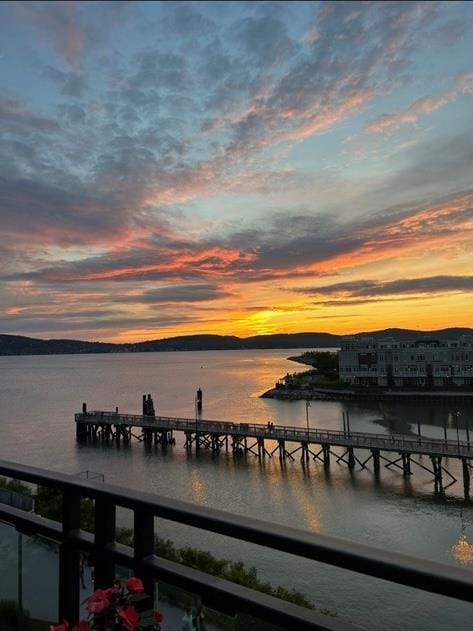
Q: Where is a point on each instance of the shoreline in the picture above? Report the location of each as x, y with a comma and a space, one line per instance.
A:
300, 360
332, 394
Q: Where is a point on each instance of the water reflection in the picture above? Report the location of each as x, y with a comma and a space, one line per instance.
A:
197, 486
462, 551
402, 417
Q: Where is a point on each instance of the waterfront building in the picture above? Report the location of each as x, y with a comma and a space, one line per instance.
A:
425, 362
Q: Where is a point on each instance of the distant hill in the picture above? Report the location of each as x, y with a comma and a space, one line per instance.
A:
19, 345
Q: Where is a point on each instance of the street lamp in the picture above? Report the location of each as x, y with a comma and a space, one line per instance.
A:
307, 406
196, 419
456, 415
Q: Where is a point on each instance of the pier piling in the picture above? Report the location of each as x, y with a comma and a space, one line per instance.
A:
466, 477
198, 401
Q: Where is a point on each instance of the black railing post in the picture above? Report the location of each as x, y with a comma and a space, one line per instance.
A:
143, 546
69, 559
105, 517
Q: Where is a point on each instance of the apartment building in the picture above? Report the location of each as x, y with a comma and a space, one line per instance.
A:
393, 363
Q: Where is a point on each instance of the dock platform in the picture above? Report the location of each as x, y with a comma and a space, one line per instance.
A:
266, 440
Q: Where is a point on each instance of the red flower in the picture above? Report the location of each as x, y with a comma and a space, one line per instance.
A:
59, 627
82, 626
135, 585
97, 602
111, 592
129, 617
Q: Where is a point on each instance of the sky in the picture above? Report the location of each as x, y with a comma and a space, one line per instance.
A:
238, 168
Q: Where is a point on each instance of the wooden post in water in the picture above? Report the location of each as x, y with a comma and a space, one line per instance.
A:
376, 467
466, 478
282, 449
406, 464
82, 428
198, 400
351, 458
437, 467
305, 451
326, 453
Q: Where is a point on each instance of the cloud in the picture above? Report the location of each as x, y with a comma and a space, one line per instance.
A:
354, 292
185, 20
343, 302
72, 27
177, 294
433, 168
420, 107
264, 40
55, 216
21, 326
73, 114
57, 23
14, 118
166, 70
288, 247
71, 83
344, 67
465, 82
410, 115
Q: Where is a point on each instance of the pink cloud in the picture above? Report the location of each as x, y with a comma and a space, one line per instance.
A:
424, 105
58, 24
15, 115
410, 115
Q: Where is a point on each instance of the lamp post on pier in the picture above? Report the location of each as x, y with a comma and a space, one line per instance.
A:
456, 415
196, 419
307, 406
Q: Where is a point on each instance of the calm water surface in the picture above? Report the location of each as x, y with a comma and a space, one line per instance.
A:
38, 398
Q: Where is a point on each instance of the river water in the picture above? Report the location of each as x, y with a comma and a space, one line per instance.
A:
38, 398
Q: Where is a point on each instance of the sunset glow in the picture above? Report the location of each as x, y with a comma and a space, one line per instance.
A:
235, 168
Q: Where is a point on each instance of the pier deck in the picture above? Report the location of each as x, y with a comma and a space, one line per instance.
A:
258, 438
264, 440
362, 440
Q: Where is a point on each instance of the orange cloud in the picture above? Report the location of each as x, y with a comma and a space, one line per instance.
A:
212, 261
433, 226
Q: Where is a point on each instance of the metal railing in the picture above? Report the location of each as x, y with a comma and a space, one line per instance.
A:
215, 592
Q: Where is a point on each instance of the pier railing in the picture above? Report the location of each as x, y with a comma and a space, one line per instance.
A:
214, 592
388, 442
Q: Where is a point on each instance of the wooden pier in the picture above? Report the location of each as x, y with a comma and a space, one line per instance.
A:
401, 451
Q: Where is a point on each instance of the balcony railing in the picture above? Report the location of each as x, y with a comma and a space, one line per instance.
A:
214, 592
